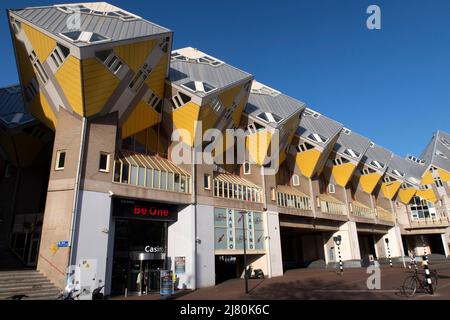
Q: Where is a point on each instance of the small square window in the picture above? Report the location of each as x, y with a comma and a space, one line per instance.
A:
331, 188
207, 181
104, 162
295, 180
60, 160
247, 168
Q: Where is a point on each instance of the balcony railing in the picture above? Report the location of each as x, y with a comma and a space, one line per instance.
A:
359, 210
330, 205
152, 172
292, 198
429, 222
384, 215
234, 187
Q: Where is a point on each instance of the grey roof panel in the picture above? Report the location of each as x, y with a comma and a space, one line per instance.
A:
54, 20
12, 109
218, 76
437, 152
321, 125
352, 141
281, 104
377, 153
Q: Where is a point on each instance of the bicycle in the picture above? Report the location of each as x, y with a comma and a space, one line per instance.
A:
415, 281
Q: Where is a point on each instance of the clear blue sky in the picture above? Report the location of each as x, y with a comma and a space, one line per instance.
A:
391, 85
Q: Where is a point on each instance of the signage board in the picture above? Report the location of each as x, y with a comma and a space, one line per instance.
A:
144, 210
166, 283
180, 265
63, 244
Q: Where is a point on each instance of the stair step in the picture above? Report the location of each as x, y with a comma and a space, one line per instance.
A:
16, 276
14, 284
25, 289
33, 294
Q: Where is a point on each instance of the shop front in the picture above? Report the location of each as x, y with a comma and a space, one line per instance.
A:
140, 245
230, 228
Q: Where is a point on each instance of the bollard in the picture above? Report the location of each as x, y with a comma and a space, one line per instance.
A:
338, 240
389, 251
427, 276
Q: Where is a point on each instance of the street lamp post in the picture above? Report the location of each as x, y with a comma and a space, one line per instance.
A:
243, 213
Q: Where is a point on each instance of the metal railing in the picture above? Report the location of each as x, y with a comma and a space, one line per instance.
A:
358, 210
384, 215
332, 207
293, 201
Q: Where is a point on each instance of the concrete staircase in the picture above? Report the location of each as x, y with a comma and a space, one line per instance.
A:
27, 282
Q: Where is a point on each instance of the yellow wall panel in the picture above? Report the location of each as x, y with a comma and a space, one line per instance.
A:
427, 195
42, 44
99, 85
405, 195
307, 162
369, 182
237, 114
258, 145
143, 116
69, 78
26, 69
342, 173
228, 96
41, 109
427, 178
208, 117
156, 79
184, 118
135, 54
444, 174
390, 189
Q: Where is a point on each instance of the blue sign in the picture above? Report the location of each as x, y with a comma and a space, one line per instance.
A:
63, 244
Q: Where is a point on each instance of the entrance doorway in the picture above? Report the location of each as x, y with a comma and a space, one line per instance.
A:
227, 267
139, 255
366, 246
300, 248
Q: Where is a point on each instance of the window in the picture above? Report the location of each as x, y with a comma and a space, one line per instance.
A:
421, 208
352, 153
346, 131
331, 188
198, 86
204, 59
432, 169
42, 75
367, 171
266, 90
104, 162
317, 138
269, 117
84, 36
305, 146
372, 144
398, 173
295, 180
416, 160
207, 181
387, 179
60, 160
311, 113
438, 182
339, 161
59, 55
272, 194
378, 164
155, 102
30, 92
179, 100
247, 168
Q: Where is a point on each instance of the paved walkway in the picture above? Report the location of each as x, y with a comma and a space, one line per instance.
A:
308, 284
324, 284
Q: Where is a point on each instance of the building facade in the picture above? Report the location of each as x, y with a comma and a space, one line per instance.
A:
98, 104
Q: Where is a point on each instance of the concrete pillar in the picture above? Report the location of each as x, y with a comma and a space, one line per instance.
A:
273, 245
350, 245
445, 244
